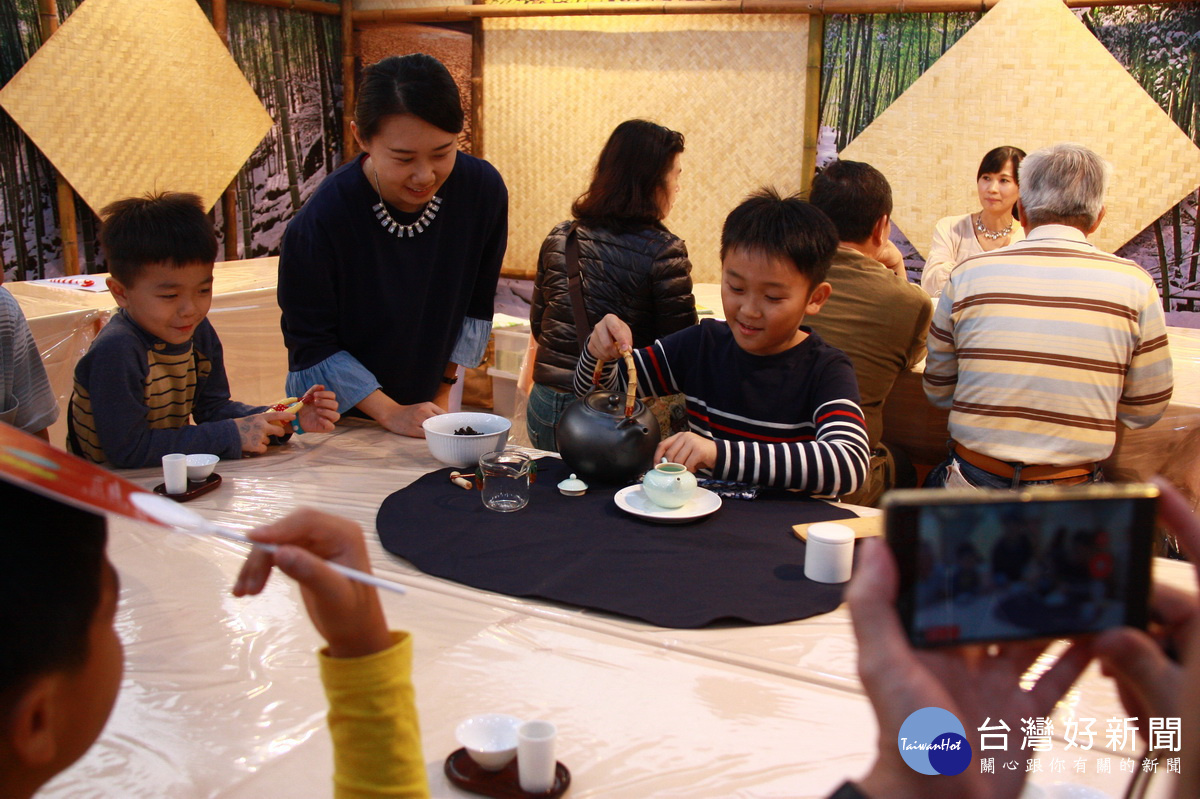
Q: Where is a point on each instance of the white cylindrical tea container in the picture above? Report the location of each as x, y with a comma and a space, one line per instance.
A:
829, 553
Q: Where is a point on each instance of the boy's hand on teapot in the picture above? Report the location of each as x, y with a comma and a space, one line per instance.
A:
692, 450
610, 337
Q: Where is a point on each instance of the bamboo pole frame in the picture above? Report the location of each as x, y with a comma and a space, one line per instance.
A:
812, 101
477, 44
313, 6
816, 7
457, 13
349, 90
68, 224
220, 18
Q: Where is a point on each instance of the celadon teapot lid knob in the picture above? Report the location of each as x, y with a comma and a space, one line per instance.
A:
573, 487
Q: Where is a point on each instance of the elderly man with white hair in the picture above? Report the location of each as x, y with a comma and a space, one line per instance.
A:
1039, 349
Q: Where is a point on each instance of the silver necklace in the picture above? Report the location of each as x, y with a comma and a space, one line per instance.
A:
988, 233
395, 228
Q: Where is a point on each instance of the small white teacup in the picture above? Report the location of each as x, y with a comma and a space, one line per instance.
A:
199, 467
490, 739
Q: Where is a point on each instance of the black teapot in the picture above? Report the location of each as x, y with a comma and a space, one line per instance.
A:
608, 437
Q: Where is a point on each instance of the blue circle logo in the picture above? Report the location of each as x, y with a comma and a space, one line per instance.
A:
933, 741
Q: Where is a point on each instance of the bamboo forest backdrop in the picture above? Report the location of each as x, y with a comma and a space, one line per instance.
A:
292, 59
871, 59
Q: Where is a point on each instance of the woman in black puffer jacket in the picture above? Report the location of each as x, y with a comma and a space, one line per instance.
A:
630, 264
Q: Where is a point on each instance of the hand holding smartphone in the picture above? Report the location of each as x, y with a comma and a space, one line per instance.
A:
981, 566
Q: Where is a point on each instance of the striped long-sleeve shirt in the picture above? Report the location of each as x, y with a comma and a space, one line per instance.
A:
789, 420
1040, 348
26, 399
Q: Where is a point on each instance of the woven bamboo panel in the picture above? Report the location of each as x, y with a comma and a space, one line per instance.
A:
554, 89
1029, 74
130, 97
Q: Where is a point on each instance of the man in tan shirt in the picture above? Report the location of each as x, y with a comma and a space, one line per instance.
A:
874, 315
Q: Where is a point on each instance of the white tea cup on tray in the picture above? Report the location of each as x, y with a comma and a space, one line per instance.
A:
490, 739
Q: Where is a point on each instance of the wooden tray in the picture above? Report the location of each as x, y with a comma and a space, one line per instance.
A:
503, 784
863, 527
195, 488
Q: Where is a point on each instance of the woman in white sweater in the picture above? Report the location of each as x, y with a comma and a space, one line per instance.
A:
992, 227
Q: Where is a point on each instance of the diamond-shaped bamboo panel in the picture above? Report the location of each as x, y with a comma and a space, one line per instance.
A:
1028, 74
129, 97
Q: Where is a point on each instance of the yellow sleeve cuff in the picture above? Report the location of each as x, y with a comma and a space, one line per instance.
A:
373, 723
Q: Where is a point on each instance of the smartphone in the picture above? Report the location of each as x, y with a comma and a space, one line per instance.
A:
982, 566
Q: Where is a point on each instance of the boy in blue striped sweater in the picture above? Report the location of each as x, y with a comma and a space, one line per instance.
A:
768, 402
158, 364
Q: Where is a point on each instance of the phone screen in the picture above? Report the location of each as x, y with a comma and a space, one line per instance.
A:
1019, 568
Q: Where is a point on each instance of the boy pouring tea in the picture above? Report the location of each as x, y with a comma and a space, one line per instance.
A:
768, 402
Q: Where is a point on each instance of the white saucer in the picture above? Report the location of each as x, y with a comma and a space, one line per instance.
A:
632, 499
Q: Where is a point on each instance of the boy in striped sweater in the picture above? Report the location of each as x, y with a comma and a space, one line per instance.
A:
768, 402
158, 364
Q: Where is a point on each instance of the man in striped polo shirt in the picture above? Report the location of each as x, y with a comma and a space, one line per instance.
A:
1040, 348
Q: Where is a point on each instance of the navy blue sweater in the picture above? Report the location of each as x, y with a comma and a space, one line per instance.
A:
788, 420
397, 305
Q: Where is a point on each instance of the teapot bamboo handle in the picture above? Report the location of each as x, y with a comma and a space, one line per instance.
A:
631, 395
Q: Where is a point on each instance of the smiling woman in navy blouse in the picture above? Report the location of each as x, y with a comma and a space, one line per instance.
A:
387, 275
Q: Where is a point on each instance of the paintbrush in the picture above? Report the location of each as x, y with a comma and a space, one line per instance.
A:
32, 463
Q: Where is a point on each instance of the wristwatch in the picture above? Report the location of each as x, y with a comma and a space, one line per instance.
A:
450, 380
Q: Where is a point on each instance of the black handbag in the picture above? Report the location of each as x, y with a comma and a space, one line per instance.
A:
575, 287
669, 409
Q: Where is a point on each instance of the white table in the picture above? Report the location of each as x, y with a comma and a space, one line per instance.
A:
221, 695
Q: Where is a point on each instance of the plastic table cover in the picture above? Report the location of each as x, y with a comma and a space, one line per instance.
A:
221, 696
